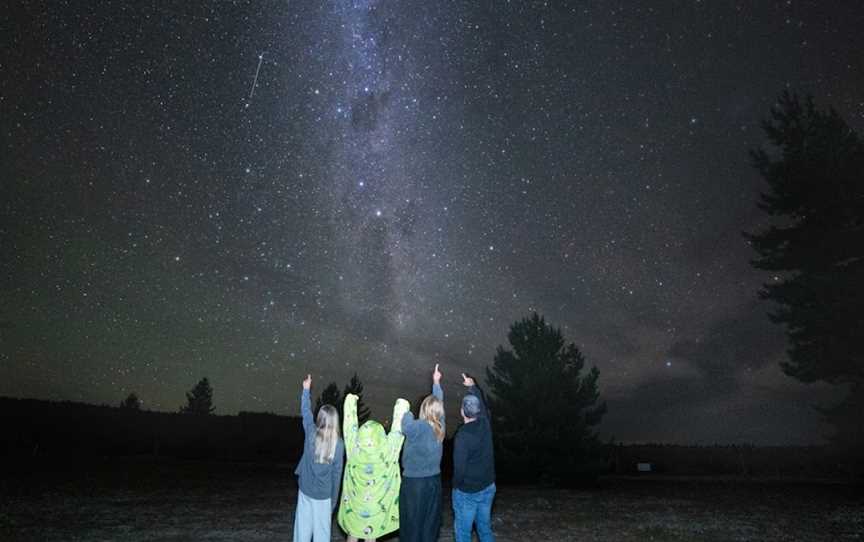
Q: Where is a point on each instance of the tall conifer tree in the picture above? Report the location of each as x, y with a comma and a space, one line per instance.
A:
814, 250
330, 396
544, 409
356, 387
200, 399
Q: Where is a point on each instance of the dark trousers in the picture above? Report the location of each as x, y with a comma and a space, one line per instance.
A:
420, 509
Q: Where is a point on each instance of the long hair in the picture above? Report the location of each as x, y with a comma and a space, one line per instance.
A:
327, 434
432, 410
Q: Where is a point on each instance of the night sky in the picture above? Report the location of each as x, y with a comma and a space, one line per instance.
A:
250, 191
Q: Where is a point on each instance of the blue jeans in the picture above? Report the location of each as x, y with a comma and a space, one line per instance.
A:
471, 507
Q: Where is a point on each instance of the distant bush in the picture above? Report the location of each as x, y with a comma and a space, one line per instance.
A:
132, 402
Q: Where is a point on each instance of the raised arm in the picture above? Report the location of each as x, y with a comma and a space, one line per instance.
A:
410, 426
399, 409
349, 423
306, 406
436, 384
396, 437
439, 393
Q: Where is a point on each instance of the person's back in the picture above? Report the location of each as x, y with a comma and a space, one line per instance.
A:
370, 489
319, 480
476, 469
473, 469
422, 452
420, 493
421, 455
319, 471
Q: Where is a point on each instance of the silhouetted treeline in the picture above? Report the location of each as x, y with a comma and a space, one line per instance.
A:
731, 460
61, 430
69, 429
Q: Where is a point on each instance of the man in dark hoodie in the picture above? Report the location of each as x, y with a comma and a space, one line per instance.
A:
473, 468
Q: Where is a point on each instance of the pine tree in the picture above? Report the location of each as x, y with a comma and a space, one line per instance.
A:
330, 396
199, 399
356, 387
132, 402
814, 248
543, 409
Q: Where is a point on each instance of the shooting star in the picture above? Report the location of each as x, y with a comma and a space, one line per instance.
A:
255, 81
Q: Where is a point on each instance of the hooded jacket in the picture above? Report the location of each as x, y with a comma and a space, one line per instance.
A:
370, 486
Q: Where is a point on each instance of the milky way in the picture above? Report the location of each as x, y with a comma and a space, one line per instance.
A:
249, 192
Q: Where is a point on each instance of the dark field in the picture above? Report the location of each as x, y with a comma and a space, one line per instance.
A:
177, 501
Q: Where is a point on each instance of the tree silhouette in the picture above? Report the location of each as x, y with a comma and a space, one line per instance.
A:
356, 387
544, 410
199, 399
330, 396
132, 402
814, 249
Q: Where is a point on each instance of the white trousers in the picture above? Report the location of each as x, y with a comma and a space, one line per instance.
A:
312, 519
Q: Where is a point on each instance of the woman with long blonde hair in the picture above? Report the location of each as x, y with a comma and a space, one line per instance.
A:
420, 494
319, 471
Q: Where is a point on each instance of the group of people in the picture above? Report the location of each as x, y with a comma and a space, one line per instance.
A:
378, 498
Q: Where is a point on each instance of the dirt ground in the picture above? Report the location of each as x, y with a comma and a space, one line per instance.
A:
177, 501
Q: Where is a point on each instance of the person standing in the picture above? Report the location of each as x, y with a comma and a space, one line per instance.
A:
319, 471
420, 494
370, 487
473, 468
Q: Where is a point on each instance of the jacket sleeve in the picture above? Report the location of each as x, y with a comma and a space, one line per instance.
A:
396, 437
336, 477
306, 412
349, 423
439, 393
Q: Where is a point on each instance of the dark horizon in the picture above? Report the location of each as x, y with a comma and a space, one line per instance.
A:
252, 193
80, 409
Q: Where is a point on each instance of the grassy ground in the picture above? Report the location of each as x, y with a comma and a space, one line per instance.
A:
141, 500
